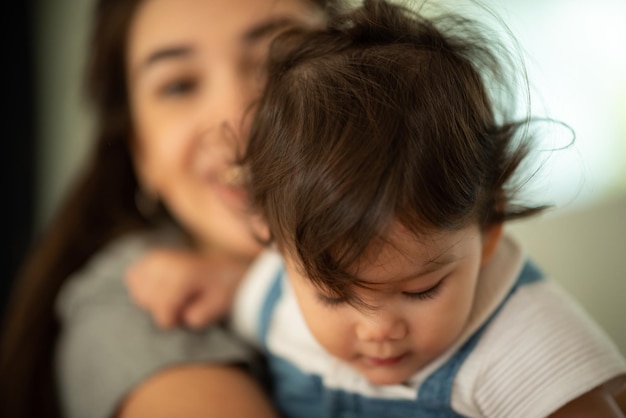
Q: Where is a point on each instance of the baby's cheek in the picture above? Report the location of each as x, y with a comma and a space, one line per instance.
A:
329, 326
333, 333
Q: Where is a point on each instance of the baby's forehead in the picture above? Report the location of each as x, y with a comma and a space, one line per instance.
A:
399, 259
401, 255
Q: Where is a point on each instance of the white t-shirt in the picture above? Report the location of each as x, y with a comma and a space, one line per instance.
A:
540, 350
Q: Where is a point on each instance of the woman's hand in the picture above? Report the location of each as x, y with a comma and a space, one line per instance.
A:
184, 288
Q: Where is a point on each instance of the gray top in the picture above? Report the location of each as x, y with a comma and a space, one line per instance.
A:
108, 345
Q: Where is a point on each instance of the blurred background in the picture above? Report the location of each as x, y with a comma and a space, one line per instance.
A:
574, 53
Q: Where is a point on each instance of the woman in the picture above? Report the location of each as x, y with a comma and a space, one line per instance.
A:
170, 81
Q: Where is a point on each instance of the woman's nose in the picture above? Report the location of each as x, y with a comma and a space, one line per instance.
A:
381, 326
234, 101
224, 117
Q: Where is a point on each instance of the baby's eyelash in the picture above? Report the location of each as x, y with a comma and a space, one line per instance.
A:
330, 300
426, 294
431, 293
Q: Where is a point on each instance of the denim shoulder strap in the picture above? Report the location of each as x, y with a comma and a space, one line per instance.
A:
269, 304
437, 388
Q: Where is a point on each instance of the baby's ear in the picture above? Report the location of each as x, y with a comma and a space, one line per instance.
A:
491, 239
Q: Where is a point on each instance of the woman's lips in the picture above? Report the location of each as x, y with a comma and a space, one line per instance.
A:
232, 195
228, 185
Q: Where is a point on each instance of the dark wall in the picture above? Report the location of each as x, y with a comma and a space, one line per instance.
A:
18, 168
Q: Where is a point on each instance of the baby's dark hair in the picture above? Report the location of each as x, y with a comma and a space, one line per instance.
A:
383, 115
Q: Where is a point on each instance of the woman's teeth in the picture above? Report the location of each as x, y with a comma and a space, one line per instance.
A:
233, 177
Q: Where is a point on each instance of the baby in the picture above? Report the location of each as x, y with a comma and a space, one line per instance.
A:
384, 164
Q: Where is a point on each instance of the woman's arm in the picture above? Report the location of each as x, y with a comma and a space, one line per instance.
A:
110, 356
620, 399
593, 404
198, 391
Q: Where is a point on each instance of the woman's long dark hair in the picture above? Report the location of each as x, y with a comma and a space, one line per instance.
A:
99, 207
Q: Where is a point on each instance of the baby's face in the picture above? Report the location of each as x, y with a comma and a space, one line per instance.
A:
422, 291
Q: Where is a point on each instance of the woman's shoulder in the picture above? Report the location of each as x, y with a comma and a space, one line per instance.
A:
102, 276
108, 346
125, 249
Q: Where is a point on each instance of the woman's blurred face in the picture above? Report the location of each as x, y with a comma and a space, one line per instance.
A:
194, 67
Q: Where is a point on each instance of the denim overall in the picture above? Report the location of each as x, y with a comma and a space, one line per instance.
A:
301, 395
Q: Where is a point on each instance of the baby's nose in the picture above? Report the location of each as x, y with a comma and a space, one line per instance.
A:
381, 327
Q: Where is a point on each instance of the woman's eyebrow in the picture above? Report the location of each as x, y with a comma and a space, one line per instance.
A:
265, 28
250, 37
175, 51
164, 53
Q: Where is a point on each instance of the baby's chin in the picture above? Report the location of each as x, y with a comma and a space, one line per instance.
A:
387, 380
386, 377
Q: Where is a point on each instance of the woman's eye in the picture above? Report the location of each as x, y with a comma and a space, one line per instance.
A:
425, 294
250, 65
178, 88
254, 65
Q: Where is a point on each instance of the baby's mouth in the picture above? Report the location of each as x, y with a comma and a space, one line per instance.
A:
386, 361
